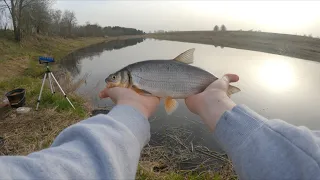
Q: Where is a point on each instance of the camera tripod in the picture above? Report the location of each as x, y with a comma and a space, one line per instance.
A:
50, 76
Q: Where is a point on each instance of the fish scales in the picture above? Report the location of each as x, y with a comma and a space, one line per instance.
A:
169, 78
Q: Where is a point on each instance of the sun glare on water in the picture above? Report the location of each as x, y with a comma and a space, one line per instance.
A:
277, 75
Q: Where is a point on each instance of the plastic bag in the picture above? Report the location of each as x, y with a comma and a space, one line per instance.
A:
23, 110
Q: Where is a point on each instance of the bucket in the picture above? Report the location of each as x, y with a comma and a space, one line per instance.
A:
16, 97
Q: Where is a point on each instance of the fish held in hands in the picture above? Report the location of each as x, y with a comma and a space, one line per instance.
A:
170, 79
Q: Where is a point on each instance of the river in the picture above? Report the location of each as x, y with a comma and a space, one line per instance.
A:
274, 86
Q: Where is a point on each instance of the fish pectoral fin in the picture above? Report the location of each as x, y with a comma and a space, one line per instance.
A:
232, 90
140, 91
186, 57
170, 105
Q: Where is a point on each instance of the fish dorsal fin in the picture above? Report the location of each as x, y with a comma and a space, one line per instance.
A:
186, 57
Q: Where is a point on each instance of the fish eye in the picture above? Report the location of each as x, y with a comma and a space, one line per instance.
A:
113, 77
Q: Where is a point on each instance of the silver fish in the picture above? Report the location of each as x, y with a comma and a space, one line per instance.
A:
170, 79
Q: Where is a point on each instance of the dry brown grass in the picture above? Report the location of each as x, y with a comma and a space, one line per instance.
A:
33, 131
13, 67
24, 134
175, 151
66, 81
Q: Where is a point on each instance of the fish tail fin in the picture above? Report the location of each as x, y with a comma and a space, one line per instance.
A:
170, 105
232, 90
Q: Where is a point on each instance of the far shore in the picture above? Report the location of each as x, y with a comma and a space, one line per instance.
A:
302, 47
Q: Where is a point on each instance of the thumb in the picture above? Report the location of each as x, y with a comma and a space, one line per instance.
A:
231, 78
104, 93
223, 83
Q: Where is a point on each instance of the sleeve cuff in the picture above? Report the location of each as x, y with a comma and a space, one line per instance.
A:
134, 120
235, 126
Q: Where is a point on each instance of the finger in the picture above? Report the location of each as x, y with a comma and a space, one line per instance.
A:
223, 83
112, 92
104, 93
192, 102
116, 92
231, 78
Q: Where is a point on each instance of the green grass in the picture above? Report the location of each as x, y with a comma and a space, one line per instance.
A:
28, 51
41, 45
19, 67
48, 100
34, 69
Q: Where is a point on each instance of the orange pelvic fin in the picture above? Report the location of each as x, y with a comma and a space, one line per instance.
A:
170, 105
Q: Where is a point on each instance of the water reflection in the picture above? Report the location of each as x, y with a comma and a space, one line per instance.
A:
72, 62
277, 75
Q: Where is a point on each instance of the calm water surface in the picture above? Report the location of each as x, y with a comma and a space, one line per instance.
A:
274, 86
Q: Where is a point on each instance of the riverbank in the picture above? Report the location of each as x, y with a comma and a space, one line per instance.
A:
302, 47
19, 68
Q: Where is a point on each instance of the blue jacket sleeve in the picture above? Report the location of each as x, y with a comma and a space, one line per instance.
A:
268, 149
101, 147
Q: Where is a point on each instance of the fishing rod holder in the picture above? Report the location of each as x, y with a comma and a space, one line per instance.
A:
49, 74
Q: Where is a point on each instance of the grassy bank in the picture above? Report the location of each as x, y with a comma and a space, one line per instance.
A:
19, 68
302, 47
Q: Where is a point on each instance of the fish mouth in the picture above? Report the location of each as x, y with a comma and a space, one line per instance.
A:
108, 85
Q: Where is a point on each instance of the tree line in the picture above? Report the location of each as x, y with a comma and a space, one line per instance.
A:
222, 28
26, 17
71, 61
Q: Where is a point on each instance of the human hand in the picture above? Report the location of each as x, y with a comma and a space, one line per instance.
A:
213, 101
145, 104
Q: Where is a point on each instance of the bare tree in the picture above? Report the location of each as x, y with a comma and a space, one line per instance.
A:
68, 21
223, 28
56, 16
3, 19
36, 16
16, 8
27, 14
40, 16
216, 28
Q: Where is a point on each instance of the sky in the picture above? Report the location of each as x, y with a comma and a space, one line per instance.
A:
291, 17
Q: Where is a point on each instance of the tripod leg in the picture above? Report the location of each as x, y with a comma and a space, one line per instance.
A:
43, 81
51, 85
61, 90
